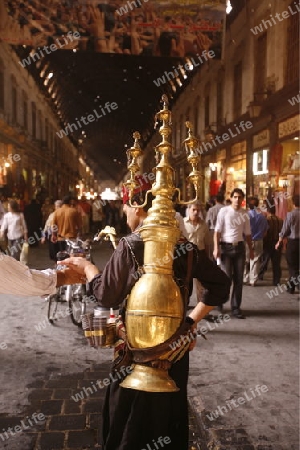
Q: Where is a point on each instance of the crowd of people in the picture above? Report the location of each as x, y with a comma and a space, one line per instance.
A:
223, 229
114, 27
220, 229
52, 222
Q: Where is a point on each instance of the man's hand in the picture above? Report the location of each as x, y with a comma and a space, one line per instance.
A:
216, 253
81, 266
77, 264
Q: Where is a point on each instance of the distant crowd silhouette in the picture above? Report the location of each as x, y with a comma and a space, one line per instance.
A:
150, 29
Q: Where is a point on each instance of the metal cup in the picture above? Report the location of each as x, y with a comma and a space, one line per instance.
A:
99, 331
110, 334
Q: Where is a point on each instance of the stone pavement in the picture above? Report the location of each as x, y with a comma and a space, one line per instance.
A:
244, 380
243, 387
66, 414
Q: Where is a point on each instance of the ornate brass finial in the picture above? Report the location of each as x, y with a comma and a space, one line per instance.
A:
136, 135
165, 100
189, 125
133, 153
191, 144
193, 157
164, 114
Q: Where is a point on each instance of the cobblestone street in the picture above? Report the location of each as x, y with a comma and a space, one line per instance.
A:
45, 366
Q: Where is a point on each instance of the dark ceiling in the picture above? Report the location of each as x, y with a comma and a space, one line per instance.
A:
82, 78
85, 81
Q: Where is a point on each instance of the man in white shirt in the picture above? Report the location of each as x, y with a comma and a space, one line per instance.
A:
232, 227
15, 226
18, 279
211, 220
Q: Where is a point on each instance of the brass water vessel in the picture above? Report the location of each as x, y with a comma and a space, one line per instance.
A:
155, 308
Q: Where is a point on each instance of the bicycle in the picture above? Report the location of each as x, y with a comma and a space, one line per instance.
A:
74, 295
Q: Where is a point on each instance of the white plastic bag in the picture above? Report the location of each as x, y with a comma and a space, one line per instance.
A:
24, 253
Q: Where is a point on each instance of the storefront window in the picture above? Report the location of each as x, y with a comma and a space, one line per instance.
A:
260, 162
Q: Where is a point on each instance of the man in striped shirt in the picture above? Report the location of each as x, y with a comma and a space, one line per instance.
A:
18, 279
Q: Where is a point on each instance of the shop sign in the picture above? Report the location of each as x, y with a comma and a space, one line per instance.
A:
238, 149
261, 139
289, 126
221, 154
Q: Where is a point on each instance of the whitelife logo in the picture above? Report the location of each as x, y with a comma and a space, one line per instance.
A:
37, 55
279, 17
205, 146
87, 119
283, 287
238, 402
33, 420
134, 4
206, 55
87, 391
292, 101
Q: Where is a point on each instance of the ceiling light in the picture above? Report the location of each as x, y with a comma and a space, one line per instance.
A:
228, 7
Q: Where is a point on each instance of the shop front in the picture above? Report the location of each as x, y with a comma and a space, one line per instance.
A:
9, 169
261, 182
289, 155
236, 170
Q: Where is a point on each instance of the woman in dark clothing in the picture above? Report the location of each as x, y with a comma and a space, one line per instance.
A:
34, 219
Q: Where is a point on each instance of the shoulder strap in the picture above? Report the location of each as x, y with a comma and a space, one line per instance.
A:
136, 252
131, 251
